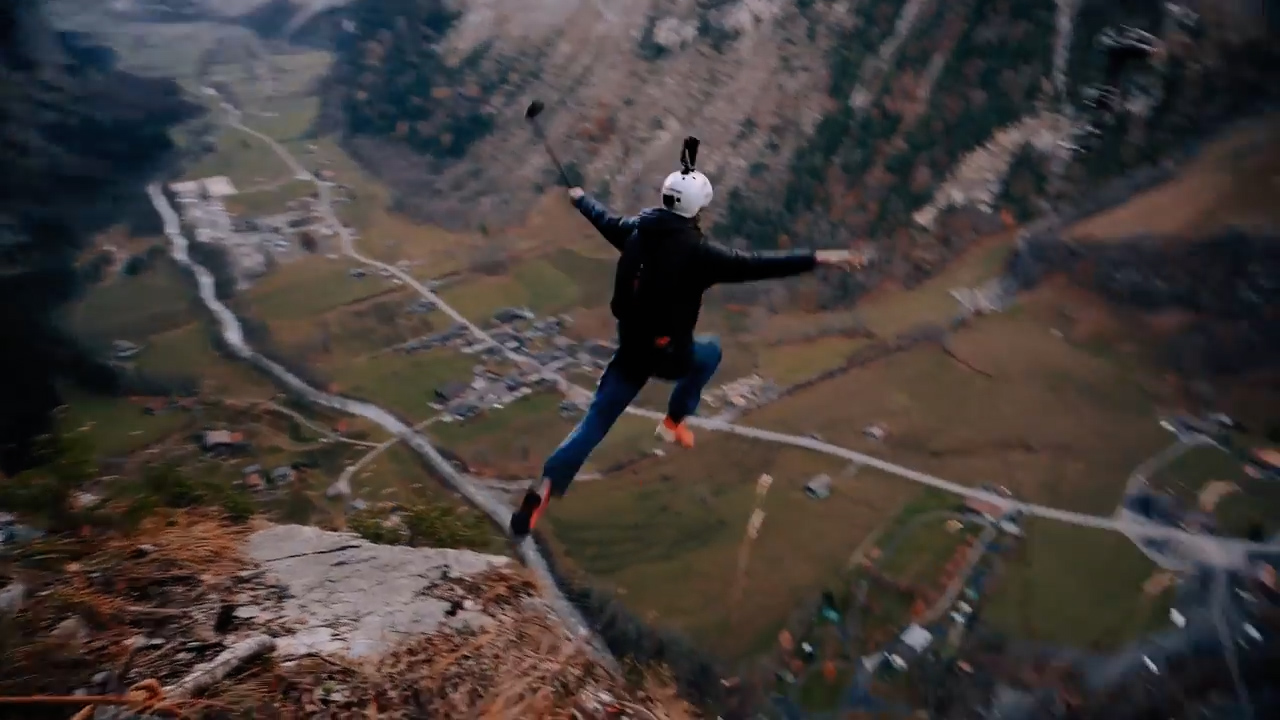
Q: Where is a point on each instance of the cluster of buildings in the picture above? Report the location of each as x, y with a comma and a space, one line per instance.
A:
493, 383
254, 477
488, 390
746, 392
251, 243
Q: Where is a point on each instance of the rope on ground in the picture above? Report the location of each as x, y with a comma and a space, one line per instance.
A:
143, 697
148, 697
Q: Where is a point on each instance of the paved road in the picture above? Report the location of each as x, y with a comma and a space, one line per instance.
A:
342, 486
1205, 549
1179, 556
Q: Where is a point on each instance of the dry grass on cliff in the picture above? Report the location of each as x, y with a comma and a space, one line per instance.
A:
166, 583
520, 666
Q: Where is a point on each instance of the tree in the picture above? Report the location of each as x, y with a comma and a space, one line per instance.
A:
64, 462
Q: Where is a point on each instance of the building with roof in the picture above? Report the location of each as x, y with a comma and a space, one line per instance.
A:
819, 488
450, 391
222, 441
218, 186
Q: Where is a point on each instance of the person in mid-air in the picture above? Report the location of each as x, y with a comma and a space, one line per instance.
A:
666, 265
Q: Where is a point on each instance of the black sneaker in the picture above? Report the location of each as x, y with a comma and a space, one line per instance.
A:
531, 508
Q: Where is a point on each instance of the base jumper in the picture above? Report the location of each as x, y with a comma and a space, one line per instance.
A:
665, 267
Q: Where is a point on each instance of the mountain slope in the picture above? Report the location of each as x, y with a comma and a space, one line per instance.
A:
824, 121
78, 137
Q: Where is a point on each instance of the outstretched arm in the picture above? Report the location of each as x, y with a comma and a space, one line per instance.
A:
724, 265
615, 228
734, 266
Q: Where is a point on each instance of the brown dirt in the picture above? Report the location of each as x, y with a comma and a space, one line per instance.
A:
1235, 181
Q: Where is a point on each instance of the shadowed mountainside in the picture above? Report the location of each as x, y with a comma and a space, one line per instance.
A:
78, 138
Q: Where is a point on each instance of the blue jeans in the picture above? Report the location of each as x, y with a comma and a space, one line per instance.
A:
614, 393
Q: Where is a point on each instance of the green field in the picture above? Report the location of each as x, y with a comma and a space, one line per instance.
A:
887, 314
592, 275
117, 426
1255, 501
271, 199
537, 284
1075, 585
292, 118
792, 363
244, 159
308, 288
132, 308
667, 536
1056, 423
403, 383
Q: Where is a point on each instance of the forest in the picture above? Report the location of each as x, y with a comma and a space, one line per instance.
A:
391, 80
966, 69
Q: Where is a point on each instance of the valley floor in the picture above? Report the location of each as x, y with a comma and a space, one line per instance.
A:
1029, 399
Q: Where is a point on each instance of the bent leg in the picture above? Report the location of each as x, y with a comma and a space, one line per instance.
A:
614, 393
688, 391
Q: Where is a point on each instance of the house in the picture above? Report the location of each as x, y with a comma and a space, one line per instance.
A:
222, 440
465, 410
569, 408
875, 432
819, 487
283, 474
450, 391
909, 645
511, 314
989, 509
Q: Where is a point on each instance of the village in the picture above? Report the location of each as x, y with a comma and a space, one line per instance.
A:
252, 244
497, 381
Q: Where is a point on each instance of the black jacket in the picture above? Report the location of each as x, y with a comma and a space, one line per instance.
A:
666, 266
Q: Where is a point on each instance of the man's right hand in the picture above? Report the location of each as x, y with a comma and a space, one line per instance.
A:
842, 259
576, 193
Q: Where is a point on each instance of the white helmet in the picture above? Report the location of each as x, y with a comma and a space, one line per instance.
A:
688, 191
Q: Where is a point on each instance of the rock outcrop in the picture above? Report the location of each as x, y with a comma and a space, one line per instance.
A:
344, 595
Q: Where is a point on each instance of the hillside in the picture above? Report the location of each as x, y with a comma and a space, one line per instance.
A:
823, 122
78, 135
